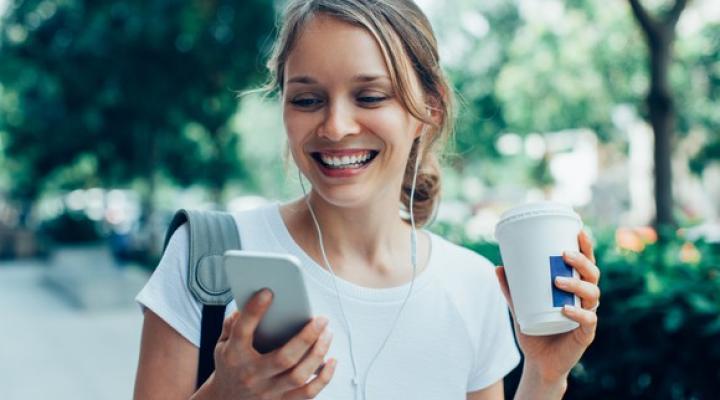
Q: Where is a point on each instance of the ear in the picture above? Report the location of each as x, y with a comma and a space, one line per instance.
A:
421, 129
434, 111
434, 114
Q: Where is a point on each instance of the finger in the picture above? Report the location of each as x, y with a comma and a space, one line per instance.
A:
585, 267
227, 326
304, 370
586, 246
317, 384
588, 293
317, 371
502, 279
228, 352
588, 323
250, 316
287, 356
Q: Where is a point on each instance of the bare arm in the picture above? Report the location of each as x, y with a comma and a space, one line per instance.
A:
168, 362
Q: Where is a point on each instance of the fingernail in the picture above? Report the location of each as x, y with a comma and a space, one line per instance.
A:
569, 308
320, 322
562, 280
326, 336
571, 254
265, 296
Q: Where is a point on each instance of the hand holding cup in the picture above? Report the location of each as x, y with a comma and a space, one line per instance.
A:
554, 315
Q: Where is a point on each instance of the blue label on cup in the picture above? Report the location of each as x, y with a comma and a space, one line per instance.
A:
558, 267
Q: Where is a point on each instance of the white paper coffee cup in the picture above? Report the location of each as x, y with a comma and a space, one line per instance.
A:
532, 239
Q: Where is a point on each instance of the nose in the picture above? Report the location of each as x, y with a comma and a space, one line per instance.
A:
339, 121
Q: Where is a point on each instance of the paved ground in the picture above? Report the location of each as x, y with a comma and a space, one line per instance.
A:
51, 348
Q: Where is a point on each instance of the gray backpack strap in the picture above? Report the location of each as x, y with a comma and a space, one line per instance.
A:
211, 234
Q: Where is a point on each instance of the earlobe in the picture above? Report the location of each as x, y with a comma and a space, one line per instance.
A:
423, 125
433, 114
421, 132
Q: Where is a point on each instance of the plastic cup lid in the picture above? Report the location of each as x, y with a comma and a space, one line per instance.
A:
540, 208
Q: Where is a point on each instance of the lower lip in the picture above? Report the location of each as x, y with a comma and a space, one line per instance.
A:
342, 172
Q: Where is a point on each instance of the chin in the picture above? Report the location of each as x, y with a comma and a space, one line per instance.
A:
345, 196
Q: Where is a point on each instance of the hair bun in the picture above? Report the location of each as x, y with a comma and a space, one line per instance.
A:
427, 188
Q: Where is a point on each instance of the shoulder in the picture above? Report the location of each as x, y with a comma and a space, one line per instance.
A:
460, 265
468, 281
256, 220
177, 249
255, 211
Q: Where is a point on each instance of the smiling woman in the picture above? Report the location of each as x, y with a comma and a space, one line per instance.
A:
366, 108
343, 106
398, 71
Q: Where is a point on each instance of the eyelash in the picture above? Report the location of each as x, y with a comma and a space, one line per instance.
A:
309, 102
373, 99
304, 103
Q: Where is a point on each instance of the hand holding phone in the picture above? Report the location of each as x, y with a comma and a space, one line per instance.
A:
251, 271
241, 372
291, 365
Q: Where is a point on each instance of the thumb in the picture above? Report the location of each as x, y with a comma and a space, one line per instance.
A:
502, 279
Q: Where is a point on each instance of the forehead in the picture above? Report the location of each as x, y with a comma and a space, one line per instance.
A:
330, 49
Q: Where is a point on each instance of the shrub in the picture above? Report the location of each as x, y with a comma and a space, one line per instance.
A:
71, 227
659, 323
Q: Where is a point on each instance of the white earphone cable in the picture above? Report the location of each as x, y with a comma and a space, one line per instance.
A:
362, 390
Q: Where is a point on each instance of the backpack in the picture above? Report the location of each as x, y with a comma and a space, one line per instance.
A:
211, 233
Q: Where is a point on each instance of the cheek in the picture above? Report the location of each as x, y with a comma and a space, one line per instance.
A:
388, 123
295, 145
394, 128
297, 127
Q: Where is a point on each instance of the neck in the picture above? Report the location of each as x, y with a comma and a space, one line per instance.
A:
357, 240
372, 235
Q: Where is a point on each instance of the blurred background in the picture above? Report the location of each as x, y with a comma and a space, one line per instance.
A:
113, 114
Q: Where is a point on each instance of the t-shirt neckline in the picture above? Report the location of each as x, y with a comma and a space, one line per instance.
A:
346, 288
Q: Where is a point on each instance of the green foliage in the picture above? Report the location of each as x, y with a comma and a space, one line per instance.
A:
700, 112
532, 73
481, 116
659, 321
140, 87
570, 76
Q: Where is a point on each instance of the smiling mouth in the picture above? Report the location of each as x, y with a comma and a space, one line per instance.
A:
346, 161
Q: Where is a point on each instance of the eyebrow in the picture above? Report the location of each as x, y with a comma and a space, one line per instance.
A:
307, 80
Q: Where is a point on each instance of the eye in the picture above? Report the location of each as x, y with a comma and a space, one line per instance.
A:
306, 102
371, 100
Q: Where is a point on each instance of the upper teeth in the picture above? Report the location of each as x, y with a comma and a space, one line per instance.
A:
345, 160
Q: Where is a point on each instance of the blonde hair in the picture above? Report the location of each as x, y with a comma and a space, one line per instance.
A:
407, 42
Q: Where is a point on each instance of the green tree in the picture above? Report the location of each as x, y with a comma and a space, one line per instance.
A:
571, 65
699, 106
565, 70
127, 90
660, 35
570, 71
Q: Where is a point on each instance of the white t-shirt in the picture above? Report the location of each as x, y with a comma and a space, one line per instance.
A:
453, 337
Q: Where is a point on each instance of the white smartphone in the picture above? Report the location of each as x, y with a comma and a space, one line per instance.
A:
289, 312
